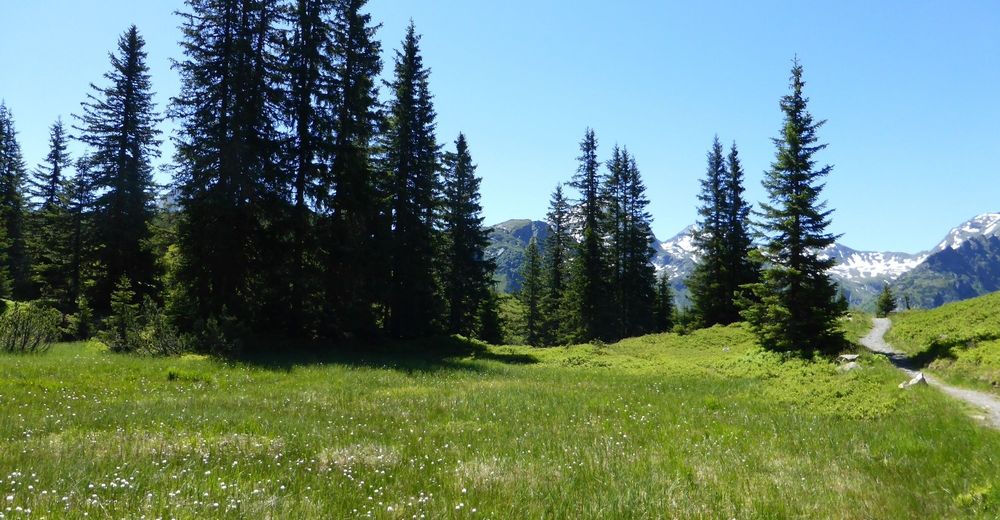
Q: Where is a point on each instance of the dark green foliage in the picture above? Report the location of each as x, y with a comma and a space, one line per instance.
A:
46, 182
590, 289
415, 299
531, 293
52, 224
159, 337
140, 329
468, 275
231, 187
491, 325
309, 99
14, 265
555, 328
629, 240
741, 270
122, 327
664, 304
796, 307
83, 263
711, 298
723, 238
118, 126
81, 323
25, 328
359, 249
886, 303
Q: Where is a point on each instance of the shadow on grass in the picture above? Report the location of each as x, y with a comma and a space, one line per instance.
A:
425, 355
945, 349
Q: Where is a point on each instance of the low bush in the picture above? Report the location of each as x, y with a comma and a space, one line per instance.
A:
25, 328
140, 329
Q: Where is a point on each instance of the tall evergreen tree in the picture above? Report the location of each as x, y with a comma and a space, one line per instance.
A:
638, 273
83, 262
415, 300
12, 207
119, 127
796, 305
711, 297
46, 182
614, 200
359, 245
468, 274
740, 267
591, 291
554, 325
630, 249
310, 98
50, 223
664, 304
531, 293
230, 184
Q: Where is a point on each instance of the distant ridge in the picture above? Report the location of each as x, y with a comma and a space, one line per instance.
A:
964, 264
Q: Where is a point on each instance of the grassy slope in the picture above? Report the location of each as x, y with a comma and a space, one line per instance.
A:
700, 426
958, 341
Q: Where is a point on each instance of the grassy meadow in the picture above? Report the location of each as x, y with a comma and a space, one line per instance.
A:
698, 426
960, 342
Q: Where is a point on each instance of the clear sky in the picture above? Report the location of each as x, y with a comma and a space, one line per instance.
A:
910, 90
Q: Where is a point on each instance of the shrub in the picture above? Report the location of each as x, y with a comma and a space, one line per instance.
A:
158, 337
139, 329
25, 328
80, 325
122, 326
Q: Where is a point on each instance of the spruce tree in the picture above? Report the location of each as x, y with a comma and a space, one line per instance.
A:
629, 243
796, 306
664, 304
358, 247
468, 274
711, 296
51, 223
310, 96
83, 266
232, 190
555, 312
739, 247
531, 293
15, 265
638, 273
614, 200
886, 303
119, 128
415, 300
591, 293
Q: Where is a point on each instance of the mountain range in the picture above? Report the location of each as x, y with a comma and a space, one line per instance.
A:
965, 264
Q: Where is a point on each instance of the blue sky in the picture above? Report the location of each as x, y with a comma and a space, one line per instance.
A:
910, 90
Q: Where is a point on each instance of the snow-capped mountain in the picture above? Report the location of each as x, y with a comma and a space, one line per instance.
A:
859, 273
984, 226
677, 256
961, 266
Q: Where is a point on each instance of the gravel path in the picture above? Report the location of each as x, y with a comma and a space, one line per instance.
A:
988, 403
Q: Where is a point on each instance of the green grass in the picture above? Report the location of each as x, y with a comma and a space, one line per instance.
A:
959, 342
698, 426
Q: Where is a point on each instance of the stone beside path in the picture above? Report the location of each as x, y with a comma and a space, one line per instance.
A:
875, 341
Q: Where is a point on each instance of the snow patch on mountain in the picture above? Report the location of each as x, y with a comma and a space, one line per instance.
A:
677, 256
855, 265
985, 225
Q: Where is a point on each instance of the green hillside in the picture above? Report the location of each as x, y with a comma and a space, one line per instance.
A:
959, 341
699, 426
